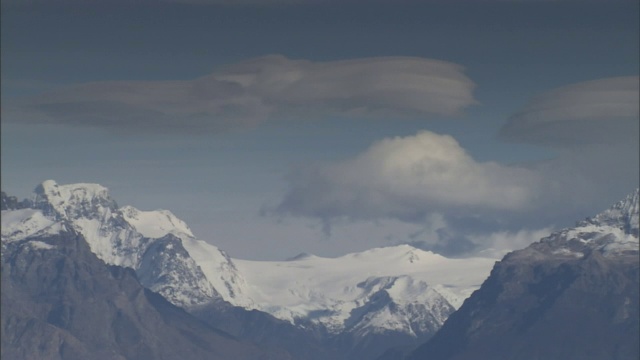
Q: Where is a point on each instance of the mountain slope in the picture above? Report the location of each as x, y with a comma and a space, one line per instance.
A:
573, 295
59, 301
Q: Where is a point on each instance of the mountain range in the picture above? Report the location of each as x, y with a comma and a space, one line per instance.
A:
401, 295
382, 302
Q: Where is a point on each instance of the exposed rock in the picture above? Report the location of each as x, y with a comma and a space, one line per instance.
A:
59, 301
573, 295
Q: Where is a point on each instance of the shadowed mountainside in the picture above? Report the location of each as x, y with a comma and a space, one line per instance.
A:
59, 301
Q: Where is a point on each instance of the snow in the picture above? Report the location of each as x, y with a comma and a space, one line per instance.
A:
21, 224
216, 266
64, 198
296, 288
219, 269
568, 252
612, 232
40, 245
155, 224
625, 211
112, 244
609, 240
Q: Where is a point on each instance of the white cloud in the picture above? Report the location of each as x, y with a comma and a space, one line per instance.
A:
407, 178
598, 111
497, 244
245, 94
449, 240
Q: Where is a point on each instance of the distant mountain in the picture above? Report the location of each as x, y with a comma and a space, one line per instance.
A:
573, 295
365, 302
352, 307
59, 301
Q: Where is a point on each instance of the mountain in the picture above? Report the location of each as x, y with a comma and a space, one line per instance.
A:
159, 246
59, 301
351, 307
364, 302
572, 295
155, 244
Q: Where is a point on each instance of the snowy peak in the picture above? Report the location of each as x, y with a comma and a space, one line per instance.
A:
613, 232
160, 247
624, 214
74, 200
155, 224
398, 254
20, 224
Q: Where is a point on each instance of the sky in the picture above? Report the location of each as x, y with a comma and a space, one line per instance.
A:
279, 127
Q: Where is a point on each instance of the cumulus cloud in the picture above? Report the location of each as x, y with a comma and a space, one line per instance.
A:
248, 93
599, 111
407, 178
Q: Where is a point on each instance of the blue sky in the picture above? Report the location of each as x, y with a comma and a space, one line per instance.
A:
277, 128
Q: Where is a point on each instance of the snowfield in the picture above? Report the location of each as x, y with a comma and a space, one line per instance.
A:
328, 289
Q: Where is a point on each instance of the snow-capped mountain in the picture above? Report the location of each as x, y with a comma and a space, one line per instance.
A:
612, 233
573, 295
365, 299
158, 245
376, 290
400, 290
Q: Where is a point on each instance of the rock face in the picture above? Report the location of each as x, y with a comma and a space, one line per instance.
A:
573, 295
11, 202
59, 301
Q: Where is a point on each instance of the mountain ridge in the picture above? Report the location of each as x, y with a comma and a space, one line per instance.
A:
572, 295
402, 304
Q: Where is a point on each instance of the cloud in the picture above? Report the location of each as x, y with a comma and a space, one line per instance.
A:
247, 93
497, 244
453, 243
486, 207
448, 238
593, 112
407, 178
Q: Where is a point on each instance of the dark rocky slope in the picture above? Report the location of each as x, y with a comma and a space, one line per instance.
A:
573, 295
59, 301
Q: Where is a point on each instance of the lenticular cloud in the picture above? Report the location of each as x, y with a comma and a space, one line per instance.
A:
245, 94
598, 111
